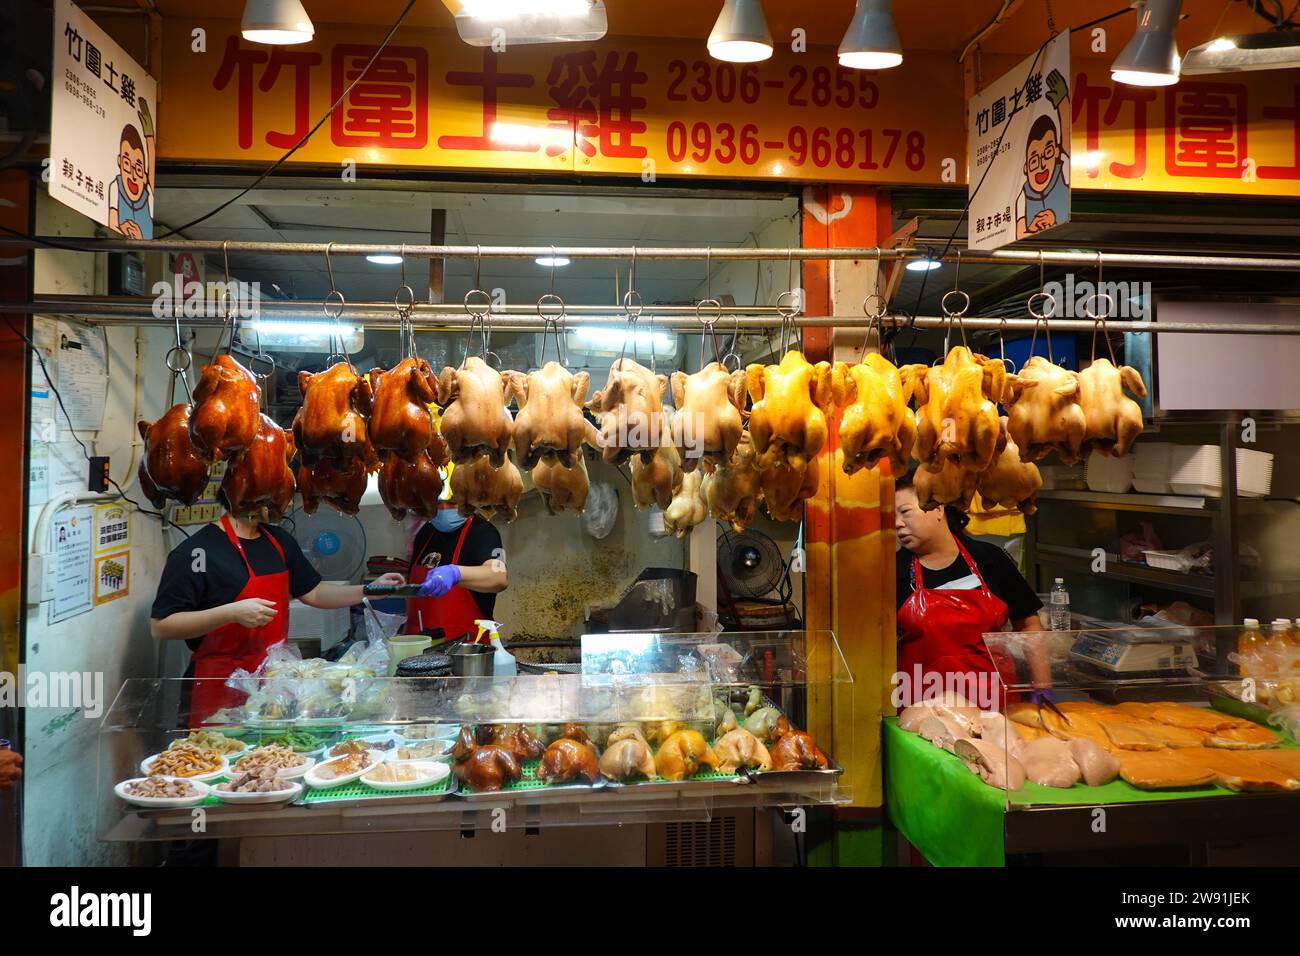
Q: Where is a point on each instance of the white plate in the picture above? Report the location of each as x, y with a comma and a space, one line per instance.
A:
164, 803
293, 788
230, 757
438, 772
444, 757
313, 779
202, 778
288, 773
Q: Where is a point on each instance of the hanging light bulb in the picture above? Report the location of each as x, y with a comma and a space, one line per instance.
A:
278, 22
871, 41
740, 34
1151, 57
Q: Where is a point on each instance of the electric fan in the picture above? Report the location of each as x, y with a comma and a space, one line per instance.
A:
333, 542
754, 582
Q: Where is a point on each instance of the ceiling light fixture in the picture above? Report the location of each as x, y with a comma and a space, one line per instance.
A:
277, 22
518, 22
384, 259
1274, 50
871, 41
740, 34
928, 262
552, 262
1151, 57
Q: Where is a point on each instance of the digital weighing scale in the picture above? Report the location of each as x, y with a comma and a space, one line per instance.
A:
1133, 653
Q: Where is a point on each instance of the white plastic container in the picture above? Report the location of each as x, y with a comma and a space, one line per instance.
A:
1167, 561
1151, 467
1195, 470
1114, 475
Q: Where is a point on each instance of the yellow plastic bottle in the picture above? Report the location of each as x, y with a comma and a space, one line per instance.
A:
1249, 643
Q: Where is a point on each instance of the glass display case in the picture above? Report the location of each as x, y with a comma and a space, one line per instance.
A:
357, 751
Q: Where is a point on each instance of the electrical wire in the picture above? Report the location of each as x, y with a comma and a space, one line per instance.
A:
308, 135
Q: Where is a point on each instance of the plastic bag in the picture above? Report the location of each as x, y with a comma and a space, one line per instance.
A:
1134, 543
1287, 720
380, 625
601, 511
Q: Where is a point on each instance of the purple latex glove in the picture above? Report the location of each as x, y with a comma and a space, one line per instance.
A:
1043, 698
440, 580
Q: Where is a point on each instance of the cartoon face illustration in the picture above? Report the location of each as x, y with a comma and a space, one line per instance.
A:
131, 163
1042, 154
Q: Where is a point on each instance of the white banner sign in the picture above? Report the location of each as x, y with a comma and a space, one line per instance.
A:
1019, 150
101, 127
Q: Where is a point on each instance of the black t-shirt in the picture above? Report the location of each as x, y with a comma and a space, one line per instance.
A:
482, 543
191, 584
995, 566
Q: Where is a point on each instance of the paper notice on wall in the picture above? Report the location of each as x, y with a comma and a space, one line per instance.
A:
69, 472
82, 375
112, 527
71, 539
1019, 150
45, 337
112, 576
38, 474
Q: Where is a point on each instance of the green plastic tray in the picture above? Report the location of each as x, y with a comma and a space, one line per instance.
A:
356, 790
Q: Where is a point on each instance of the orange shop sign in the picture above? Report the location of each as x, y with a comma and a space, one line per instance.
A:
624, 106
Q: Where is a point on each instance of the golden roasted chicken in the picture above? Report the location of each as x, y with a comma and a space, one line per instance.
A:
227, 411
563, 489
796, 750
627, 757
411, 489
550, 425
171, 467
739, 748
1043, 412
688, 507
876, 422
682, 755
957, 414
568, 759
786, 488
261, 477
952, 484
732, 490
481, 487
707, 424
338, 486
630, 407
476, 421
791, 402
1010, 482
400, 420
655, 482
331, 424
1113, 419
517, 739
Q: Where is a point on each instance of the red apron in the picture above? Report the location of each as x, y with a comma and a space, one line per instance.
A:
940, 631
234, 646
455, 612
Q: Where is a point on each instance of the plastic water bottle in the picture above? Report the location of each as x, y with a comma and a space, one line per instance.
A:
1059, 606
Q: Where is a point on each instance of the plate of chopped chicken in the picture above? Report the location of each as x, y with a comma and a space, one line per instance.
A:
341, 770
257, 786
161, 793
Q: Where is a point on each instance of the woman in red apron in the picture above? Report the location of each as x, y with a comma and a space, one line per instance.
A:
952, 590
229, 584
448, 587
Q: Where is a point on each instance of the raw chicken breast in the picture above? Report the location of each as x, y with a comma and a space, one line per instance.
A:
1048, 763
994, 765
1098, 766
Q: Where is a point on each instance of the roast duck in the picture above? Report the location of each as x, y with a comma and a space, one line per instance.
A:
1113, 420
340, 487
876, 422
630, 408
484, 767
563, 489
791, 402
171, 467
261, 477
476, 421
707, 424
688, 507
654, 482
567, 759
227, 410
682, 755
957, 414
1010, 482
550, 425
400, 420
481, 487
732, 489
1043, 412
413, 489
331, 424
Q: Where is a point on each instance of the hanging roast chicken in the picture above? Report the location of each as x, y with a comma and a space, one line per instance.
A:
786, 488
791, 402
550, 424
1009, 482
957, 417
877, 422
1114, 420
260, 477
708, 424
476, 421
688, 507
413, 489
331, 424
630, 407
340, 487
400, 420
171, 468
952, 484
1043, 412
563, 489
227, 410
481, 487
732, 490
656, 481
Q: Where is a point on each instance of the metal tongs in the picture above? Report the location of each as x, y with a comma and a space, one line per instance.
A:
1041, 699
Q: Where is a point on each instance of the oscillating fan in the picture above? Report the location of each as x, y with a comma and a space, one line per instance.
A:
755, 581
334, 543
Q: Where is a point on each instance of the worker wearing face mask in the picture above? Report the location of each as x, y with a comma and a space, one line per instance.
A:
460, 566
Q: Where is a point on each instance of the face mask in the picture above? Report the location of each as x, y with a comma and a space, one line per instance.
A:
448, 519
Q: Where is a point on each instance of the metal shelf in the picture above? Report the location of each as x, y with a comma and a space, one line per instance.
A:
1199, 584
1134, 501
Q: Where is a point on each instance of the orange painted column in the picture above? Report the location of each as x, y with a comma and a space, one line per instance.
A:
849, 583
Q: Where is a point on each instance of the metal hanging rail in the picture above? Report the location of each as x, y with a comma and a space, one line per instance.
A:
642, 253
